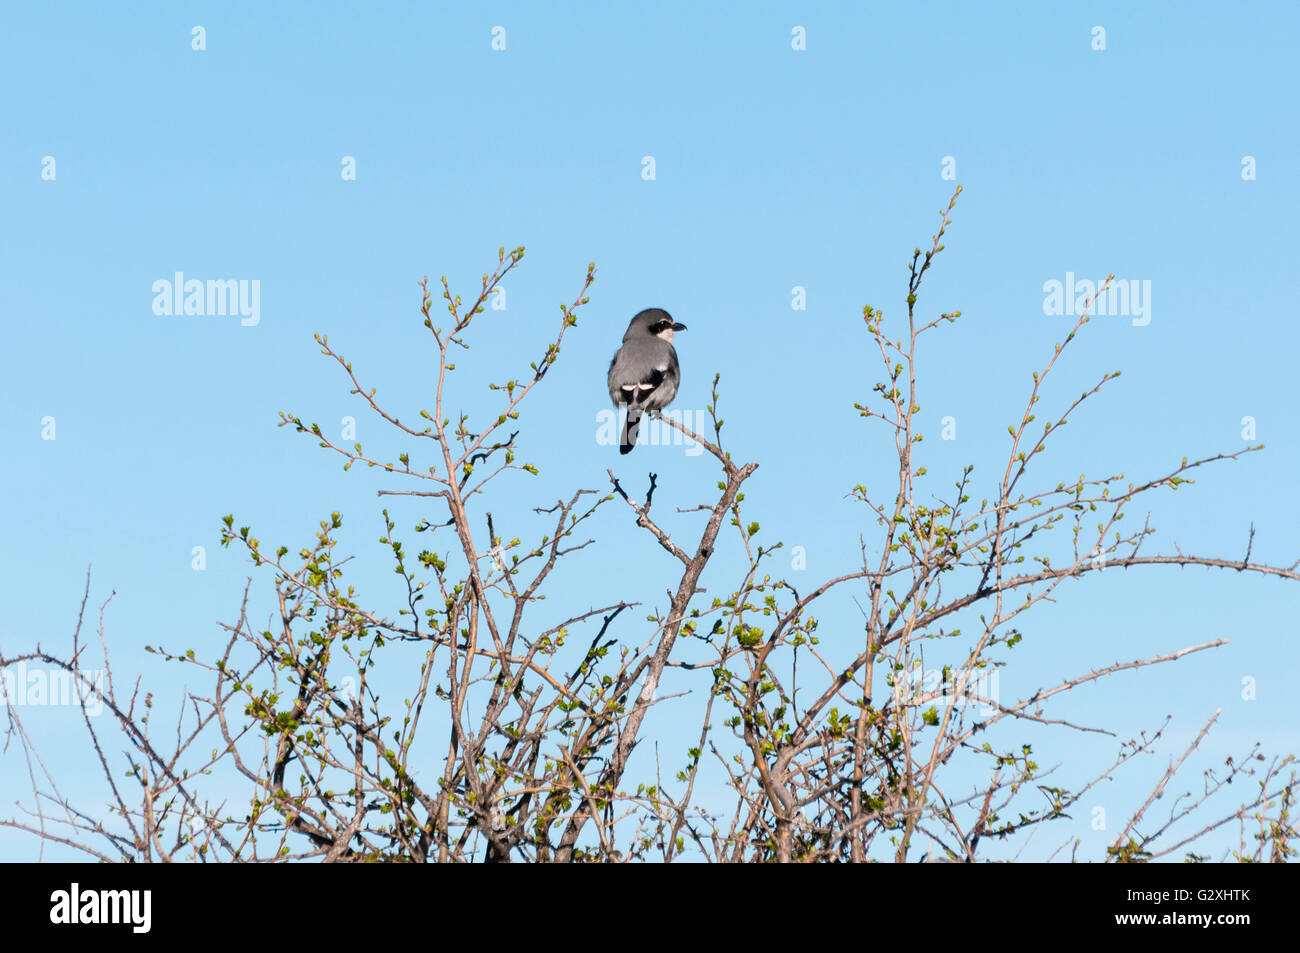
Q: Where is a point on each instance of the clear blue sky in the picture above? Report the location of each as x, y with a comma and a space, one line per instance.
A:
775, 168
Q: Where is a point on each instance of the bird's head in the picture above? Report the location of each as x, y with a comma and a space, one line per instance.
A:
655, 322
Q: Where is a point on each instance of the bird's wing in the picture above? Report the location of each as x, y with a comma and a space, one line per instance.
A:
636, 393
642, 372
667, 374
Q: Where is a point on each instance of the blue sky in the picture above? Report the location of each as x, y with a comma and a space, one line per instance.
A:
774, 168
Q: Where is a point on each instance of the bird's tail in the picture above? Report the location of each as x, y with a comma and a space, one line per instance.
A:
630, 427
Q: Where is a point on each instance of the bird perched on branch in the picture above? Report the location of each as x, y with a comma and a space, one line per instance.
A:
644, 373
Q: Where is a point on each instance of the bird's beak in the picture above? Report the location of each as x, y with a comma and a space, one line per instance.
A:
679, 327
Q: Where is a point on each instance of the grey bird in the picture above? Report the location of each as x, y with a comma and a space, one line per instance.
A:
644, 373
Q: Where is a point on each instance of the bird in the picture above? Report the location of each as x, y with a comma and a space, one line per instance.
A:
644, 372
